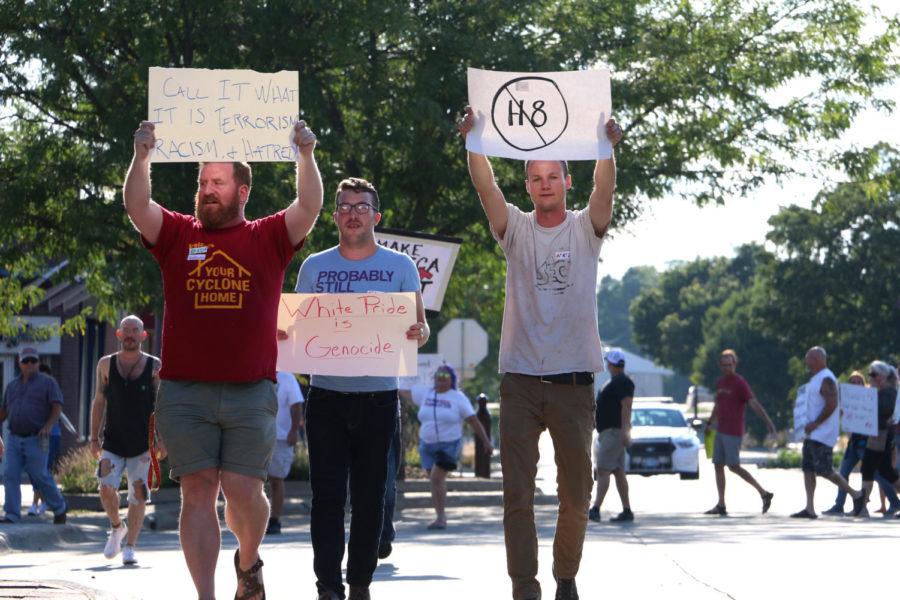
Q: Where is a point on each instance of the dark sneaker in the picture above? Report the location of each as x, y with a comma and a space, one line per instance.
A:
834, 511
328, 596
767, 501
274, 527
859, 506
717, 510
384, 550
626, 516
566, 590
594, 514
60, 518
358, 593
804, 514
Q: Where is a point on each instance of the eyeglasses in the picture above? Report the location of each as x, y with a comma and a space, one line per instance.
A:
28, 360
442, 376
361, 209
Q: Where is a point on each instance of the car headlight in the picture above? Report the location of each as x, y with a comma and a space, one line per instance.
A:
685, 442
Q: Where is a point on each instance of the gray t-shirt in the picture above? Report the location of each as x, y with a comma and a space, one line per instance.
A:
550, 315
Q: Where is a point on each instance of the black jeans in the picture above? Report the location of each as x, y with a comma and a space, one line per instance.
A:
348, 435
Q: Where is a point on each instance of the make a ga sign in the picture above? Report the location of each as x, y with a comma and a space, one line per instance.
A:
347, 334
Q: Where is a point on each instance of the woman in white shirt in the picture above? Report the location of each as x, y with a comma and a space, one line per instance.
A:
442, 411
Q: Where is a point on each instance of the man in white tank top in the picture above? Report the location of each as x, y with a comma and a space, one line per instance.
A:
822, 430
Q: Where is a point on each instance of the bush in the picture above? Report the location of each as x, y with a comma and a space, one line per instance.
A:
76, 472
793, 459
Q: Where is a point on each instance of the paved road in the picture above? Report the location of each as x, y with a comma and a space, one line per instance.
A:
670, 549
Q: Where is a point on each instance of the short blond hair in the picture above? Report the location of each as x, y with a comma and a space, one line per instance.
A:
729, 352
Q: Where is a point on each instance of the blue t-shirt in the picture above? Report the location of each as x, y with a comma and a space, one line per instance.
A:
28, 403
329, 272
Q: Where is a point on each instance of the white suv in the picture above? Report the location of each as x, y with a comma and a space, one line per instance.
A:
662, 441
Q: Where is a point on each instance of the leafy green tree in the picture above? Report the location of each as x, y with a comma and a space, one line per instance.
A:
614, 301
837, 280
668, 319
381, 83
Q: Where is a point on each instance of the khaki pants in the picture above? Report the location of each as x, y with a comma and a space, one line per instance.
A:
528, 407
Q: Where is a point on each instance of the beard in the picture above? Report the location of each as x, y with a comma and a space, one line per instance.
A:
217, 215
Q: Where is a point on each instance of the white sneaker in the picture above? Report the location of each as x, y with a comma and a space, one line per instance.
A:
128, 557
33, 511
116, 538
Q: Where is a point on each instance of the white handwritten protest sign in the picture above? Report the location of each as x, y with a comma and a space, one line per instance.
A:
427, 365
801, 418
859, 409
223, 115
540, 116
347, 334
434, 256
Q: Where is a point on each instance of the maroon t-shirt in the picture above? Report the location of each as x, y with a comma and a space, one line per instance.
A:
732, 394
221, 289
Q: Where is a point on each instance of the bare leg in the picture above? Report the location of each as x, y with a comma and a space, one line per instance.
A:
602, 486
109, 497
276, 484
199, 529
246, 513
809, 482
720, 483
622, 487
439, 494
746, 476
839, 481
136, 513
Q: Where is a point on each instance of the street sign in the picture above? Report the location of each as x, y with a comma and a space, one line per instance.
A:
463, 343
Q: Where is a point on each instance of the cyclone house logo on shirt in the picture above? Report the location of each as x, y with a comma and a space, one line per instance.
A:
218, 282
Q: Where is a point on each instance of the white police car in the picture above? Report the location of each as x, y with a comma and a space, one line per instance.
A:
662, 441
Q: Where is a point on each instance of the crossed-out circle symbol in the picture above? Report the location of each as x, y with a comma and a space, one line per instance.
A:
529, 113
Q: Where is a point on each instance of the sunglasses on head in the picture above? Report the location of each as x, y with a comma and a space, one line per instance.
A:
28, 360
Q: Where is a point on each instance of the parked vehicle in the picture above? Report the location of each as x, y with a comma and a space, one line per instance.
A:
662, 441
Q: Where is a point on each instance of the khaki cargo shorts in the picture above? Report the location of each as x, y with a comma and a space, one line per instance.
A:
229, 426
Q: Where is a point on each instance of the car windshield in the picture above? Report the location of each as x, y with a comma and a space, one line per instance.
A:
657, 417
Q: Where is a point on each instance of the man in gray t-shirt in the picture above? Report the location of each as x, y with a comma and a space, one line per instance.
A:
549, 351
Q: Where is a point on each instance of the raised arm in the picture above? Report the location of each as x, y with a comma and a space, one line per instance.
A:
482, 175
145, 214
301, 215
600, 204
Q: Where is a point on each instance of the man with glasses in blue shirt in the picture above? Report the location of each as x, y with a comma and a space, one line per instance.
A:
32, 402
350, 420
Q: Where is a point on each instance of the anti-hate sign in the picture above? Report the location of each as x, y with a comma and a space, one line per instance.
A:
434, 256
859, 409
540, 116
347, 334
223, 115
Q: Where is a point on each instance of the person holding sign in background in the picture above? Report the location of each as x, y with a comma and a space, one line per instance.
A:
821, 432
853, 454
879, 448
549, 351
222, 278
733, 395
350, 420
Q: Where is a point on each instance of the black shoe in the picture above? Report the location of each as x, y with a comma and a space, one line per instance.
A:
859, 505
834, 511
804, 514
626, 516
717, 510
274, 527
566, 590
358, 592
7, 520
60, 518
384, 550
594, 514
327, 596
767, 501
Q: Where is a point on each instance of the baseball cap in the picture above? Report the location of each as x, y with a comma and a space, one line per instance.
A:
28, 352
616, 357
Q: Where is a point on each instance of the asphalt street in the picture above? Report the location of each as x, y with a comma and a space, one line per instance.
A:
671, 549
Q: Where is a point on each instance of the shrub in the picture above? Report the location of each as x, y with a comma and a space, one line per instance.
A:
76, 472
793, 459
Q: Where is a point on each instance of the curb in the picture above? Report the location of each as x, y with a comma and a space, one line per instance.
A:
38, 536
49, 589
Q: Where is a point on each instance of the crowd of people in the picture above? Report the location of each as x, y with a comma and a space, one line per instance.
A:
226, 426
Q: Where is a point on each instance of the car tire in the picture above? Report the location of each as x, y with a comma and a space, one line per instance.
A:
690, 475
